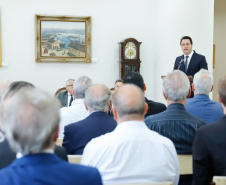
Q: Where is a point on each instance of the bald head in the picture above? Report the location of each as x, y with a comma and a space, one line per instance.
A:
97, 97
128, 100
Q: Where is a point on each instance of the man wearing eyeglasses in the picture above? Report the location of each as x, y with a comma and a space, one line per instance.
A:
66, 97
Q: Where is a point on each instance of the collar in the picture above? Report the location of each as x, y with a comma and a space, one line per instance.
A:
202, 96
130, 124
96, 111
78, 101
190, 55
36, 159
176, 105
48, 151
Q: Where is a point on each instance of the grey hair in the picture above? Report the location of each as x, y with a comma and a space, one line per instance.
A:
203, 81
129, 100
176, 86
30, 120
3, 87
70, 80
97, 97
15, 87
80, 86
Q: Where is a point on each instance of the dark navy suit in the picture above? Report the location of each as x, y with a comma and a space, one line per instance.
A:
47, 169
196, 63
78, 134
209, 152
154, 107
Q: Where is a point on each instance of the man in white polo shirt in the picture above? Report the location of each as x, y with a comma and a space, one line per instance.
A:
132, 153
77, 111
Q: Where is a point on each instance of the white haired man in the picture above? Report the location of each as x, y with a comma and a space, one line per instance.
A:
66, 97
176, 123
201, 105
30, 120
77, 111
78, 134
132, 153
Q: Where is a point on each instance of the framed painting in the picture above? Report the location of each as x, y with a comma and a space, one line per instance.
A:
63, 39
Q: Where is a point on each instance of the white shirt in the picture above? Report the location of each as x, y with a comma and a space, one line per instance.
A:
189, 58
132, 154
76, 112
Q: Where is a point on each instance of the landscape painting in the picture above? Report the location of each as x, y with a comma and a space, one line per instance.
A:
63, 39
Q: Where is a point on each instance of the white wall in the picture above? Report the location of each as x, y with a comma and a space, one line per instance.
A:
158, 24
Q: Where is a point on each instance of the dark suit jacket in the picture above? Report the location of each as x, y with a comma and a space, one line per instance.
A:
63, 97
154, 107
209, 152
48, 169
77, 135
196, 63
7, 156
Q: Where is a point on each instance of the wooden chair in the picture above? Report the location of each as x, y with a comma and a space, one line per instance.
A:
59, 142
219, 180
153, 183
185, 164
60, 90
75, 159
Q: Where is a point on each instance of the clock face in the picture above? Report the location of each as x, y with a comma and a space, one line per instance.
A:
130, 51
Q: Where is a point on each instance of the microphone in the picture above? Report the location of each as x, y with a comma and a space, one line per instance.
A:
182, 60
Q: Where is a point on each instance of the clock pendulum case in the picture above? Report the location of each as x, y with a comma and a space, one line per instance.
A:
129, 56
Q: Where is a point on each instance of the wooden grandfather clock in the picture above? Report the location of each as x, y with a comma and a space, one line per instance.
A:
129, 56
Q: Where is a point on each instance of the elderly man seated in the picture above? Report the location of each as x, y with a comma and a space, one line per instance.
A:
201, 105
30, 120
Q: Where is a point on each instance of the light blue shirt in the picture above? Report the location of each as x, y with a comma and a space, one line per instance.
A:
202, 107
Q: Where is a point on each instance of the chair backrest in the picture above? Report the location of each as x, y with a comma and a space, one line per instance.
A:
153, 183
219, 180
60, 90
185, 164
59, 142
75, 159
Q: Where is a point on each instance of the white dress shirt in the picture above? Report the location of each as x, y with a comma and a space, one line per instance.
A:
132, 154
76, 112
189, 58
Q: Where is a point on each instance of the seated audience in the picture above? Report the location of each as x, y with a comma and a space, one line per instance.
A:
132, 153
136, 79
78, 134
66, 97
118, 83
209, 146
201, 105
30, 120
77, 111
7, 156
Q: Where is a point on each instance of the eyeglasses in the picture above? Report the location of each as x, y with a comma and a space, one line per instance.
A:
70, 85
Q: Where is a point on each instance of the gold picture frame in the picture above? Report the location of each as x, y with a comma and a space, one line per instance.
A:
63, 39
0, 48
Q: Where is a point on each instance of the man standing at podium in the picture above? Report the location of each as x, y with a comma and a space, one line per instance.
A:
190, 62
